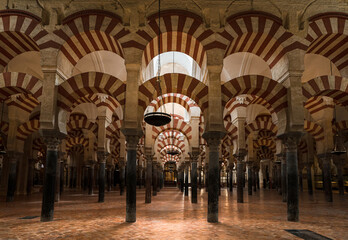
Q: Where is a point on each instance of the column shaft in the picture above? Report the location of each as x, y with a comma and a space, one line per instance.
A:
240, 176
186, 180
131, 185
327, 178
12, 177
250, 181
148, 180
292, 184
194, 182
101, 193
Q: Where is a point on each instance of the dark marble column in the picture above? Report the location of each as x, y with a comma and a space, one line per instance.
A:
283, 176
339, 162
30, 175
158, 177
148, 175
325, 158
200, 177
291, 142
122, 174
61, 189
109, 177
278, 176
194, 158
13, 158
186, 179
206, 177
49, 186
250, 178
231, 177
154, 179
213, 140
255, 174
57, 192
132, 141
182, 182
300, 179
102, 161
240, 174
309, 179
90, 169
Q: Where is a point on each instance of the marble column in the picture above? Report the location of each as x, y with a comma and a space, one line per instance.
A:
200, 177
309, 179
158, 177
283, 176
231, 177
250, 178
102, 161
194, 158
182, 182
206, 177
186, 179
61, 165
131, 181
148, 176
291, 142
213, 139
339, 162
13, 158
90, 169
278, 176
109, 178
49, 186
154, 179
255, 178
30, 176
240, 174
57, 192
325, 158
122, 165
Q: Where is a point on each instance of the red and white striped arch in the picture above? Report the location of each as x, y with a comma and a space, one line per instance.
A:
20, 32
328, 86
79, 86
80, 121
261, 34
174, 83
264, 142
13, 83
170, 158
170, 142
89, 31
230, 129
109, 102
24, 101
113, 130
271, 91
339, 126
265, 153
39, 145
178, 125
261, 123
181, 31
314, 129
317, 104
4, 127
180, 99
27, 128
76, 141
328, 34
302, 146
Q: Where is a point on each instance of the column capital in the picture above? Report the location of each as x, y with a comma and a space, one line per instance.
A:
194, 154
132, 137
240, 154
14, 156
213, 139
121, 161
291, 140
102, 155
52, 138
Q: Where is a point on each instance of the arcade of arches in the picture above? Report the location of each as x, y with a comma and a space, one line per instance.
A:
257, 92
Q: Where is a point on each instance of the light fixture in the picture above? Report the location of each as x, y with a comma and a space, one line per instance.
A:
2, 145
158, 118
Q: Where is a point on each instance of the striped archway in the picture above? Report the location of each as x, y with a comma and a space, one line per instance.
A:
180, 99
329, 86
80, 121
20, 32
89, 31
261, 123
318, 103
27, 128
314, 129
100, 100
262, 34
79, 86
328, 36
174, 83
176, 124
15, 83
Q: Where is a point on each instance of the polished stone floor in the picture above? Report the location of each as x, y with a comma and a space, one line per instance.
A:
172, 216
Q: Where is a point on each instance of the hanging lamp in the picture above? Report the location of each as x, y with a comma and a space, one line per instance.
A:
173, 151
2, 145
338, 148
159, 118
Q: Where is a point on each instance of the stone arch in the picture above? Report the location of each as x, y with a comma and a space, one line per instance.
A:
178, 125
329, 86
27, 128
70, 91
174, 83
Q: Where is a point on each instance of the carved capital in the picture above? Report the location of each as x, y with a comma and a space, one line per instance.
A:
291, 140
52, 143
102, 156
240, 154
213, 139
